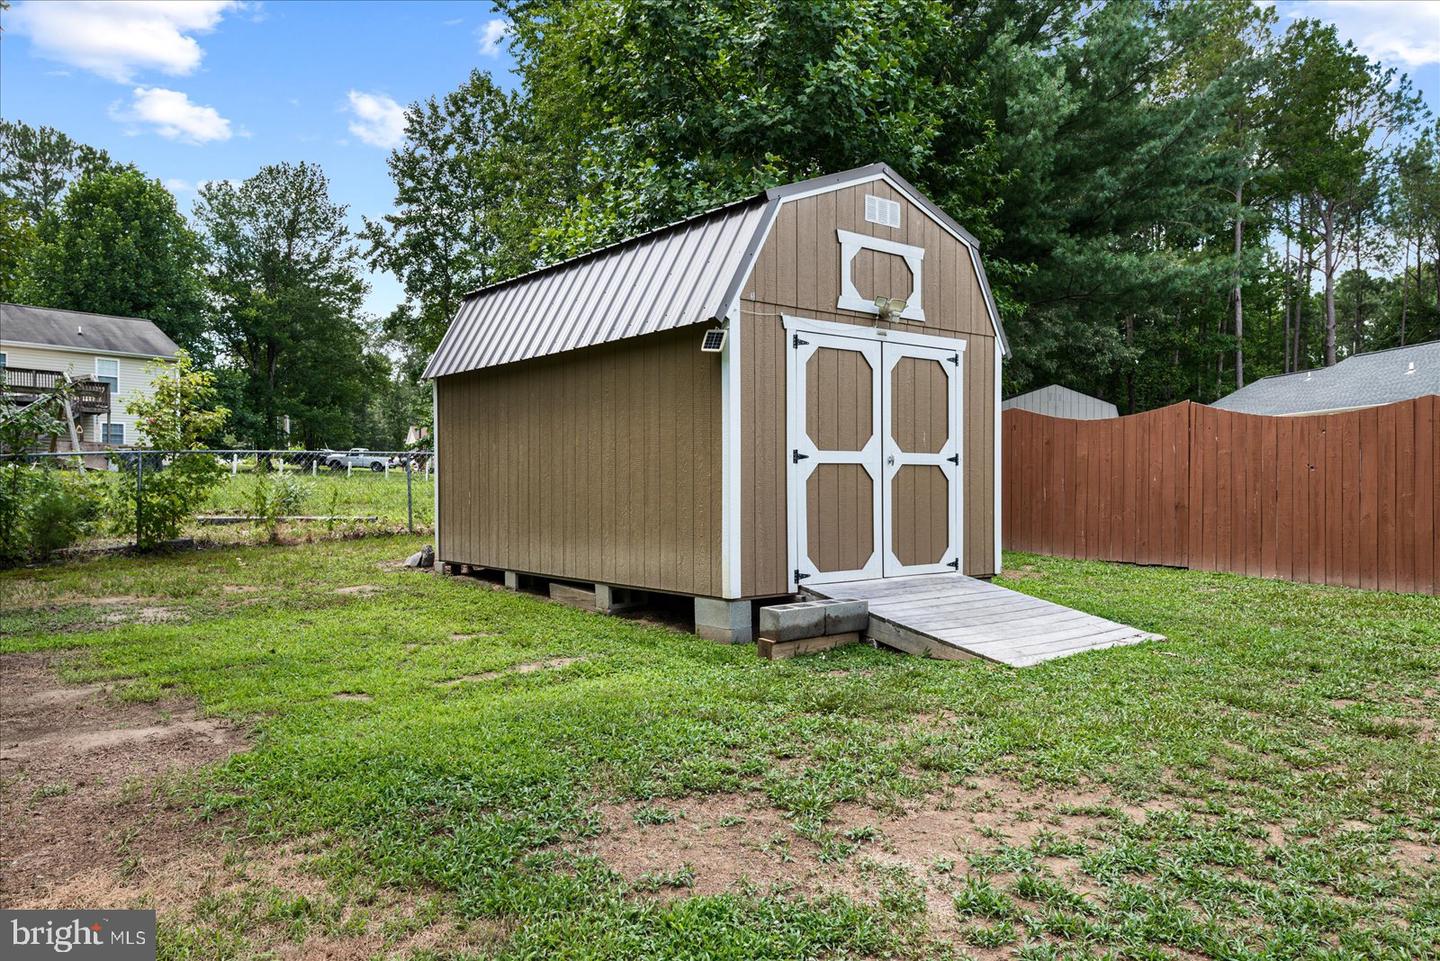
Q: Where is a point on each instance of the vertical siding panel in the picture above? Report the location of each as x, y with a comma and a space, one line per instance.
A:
1388, 520
1347, 429
1425, 468
1405, 495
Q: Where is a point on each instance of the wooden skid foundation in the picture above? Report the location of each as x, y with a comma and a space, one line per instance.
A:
774, 650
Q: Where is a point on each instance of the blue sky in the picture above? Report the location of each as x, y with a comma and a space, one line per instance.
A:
197, 90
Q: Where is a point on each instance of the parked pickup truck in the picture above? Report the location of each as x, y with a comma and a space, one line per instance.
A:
360, 457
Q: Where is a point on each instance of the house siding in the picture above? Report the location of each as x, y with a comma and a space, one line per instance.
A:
600, 465
134, 379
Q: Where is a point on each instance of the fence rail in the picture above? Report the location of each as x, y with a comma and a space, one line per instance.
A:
379, 494
1350, 499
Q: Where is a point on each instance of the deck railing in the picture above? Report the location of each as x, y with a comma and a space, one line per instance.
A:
91, 396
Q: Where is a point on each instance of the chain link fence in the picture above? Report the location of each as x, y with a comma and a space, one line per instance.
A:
255, 492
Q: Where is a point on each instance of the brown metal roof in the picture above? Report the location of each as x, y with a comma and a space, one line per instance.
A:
689, 272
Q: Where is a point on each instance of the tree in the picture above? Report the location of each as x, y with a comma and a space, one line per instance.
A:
461, 179
118, 245
1415, 219
37, 164
286, 293
17, 241
1331, 113
178, 414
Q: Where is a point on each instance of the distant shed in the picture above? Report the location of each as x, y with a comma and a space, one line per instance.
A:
588, 431
1057, 401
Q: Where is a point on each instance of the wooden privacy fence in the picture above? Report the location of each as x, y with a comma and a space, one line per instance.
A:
1348, 498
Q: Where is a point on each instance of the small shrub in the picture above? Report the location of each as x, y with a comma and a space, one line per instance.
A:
44, 509
273, 497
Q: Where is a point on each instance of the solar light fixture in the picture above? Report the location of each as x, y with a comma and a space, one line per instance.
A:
889, 308
714, 340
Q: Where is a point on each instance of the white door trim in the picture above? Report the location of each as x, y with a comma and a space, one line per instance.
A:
895, 458
795, 427
803, 457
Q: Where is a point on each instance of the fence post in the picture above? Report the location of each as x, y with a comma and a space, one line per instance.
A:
139, 493
409, 499
313, 461
234, 464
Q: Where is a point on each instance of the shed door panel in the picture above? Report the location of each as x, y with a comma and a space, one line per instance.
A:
874, 478
835, 445
922, 459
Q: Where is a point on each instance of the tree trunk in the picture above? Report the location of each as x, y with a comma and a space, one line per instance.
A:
1302, 359
1129, 366
1404, 289
1358, 336
1239, 283
1327, 220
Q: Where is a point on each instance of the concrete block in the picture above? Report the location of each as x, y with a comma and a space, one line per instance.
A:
724, 621
512, 580
790, 622
843, 617
611, 600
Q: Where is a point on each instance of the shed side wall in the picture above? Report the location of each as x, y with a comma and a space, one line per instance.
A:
798, 272
600, 465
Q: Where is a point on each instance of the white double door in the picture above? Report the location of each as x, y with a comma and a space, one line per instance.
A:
875, 457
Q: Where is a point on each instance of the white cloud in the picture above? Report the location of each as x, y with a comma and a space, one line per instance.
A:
1403, 33
117, 38
173, 116
178, 185
491, 35
379, 120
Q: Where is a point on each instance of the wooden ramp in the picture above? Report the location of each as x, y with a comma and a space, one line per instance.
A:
954, 616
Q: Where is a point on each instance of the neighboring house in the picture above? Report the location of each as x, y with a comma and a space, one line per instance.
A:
721, 408
111, 355
1057, 401
1361, 380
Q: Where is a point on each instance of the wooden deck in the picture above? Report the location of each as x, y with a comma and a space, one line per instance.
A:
957, 617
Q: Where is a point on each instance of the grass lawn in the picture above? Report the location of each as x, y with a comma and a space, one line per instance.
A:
516, 779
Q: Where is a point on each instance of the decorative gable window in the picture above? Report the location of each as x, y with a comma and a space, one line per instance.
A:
880, 211
851, 298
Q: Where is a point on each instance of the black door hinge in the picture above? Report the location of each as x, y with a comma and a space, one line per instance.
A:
954, 459
955, 564
795, 340
796, 457
955, 360
800, 575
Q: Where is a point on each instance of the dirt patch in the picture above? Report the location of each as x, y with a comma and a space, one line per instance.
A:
84, 773
553, 664
360, 590
717, 843
240, 589
89, 821
142, 615
352, 696
1028, 572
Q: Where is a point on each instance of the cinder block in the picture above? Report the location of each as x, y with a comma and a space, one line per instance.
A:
512, 580
791, 622
843, 617
725, 621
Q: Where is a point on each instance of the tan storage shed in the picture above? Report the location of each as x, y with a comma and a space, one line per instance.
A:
720, 409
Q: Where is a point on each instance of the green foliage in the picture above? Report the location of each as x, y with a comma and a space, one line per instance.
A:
116, 244
273, 496
177, 415
37, 164
287, 293
44, 509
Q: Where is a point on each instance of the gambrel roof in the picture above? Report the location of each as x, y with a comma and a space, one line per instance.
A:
689, 272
